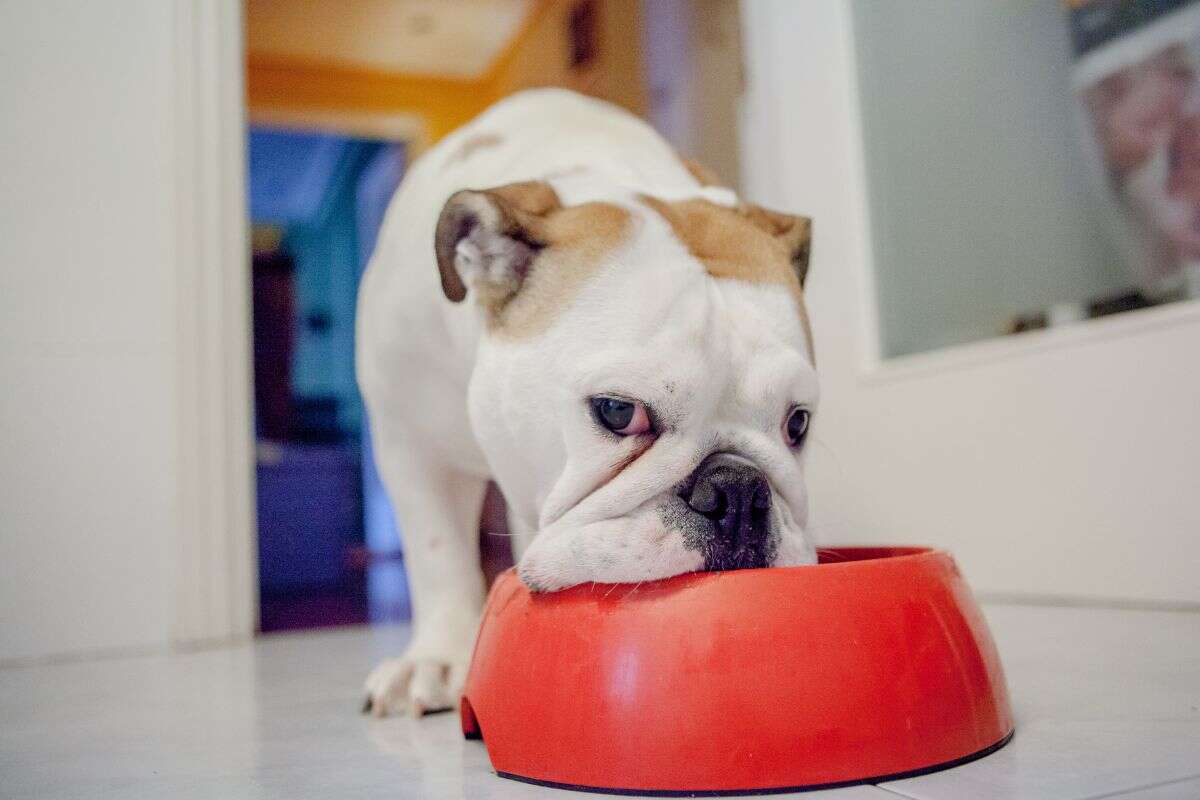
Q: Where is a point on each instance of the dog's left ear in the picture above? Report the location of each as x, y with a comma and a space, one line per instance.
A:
795, 233
487, 240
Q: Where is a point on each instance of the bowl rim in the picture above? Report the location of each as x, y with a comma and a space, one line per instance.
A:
895, 555
892, 554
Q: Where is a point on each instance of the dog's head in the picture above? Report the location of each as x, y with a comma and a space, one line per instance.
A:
645, 383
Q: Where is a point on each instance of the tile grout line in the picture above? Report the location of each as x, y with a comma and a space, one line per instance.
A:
1122, 792
84, 656
895, 792
1115, 795
1025, 600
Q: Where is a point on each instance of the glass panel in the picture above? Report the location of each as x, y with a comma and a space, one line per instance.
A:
1028, 164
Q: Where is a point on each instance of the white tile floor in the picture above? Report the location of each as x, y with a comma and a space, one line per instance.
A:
1107, 705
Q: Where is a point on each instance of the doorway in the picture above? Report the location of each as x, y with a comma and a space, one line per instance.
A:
326, 535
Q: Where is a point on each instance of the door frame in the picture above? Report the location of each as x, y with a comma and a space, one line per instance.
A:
215, 577
214, 581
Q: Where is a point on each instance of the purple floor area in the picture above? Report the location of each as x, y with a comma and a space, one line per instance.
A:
377, 594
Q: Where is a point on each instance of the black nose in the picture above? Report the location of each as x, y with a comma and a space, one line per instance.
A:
735, 495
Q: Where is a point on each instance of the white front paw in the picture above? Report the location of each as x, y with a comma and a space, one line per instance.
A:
421, 681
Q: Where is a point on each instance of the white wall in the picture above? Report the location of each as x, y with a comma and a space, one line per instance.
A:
90, 349
1062, 463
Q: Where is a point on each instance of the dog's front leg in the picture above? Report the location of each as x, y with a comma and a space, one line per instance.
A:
437, 509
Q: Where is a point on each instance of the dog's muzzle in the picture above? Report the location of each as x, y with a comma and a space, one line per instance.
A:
735, 497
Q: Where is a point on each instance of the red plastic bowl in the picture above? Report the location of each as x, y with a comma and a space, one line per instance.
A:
875, 664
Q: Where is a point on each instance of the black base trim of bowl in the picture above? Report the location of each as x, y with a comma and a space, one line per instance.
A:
812, 787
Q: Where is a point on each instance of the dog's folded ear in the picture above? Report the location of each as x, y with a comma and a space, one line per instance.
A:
794, 232
487, 240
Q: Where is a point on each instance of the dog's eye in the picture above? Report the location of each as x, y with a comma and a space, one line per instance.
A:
796, 426
622, 417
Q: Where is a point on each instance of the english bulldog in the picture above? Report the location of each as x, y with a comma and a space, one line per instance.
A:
560, 304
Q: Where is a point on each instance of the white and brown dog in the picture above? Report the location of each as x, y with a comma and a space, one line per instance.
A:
632, 367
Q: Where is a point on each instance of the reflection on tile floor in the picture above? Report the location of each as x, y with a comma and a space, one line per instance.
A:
1106, 703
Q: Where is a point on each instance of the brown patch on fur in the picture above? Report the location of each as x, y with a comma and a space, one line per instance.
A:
556, 247
481, 141
530, 199
746, 243
576, 239
703, 175
795, 233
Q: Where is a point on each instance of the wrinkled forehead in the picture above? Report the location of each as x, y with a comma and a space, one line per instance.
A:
658, 272
656, 302
695, 262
